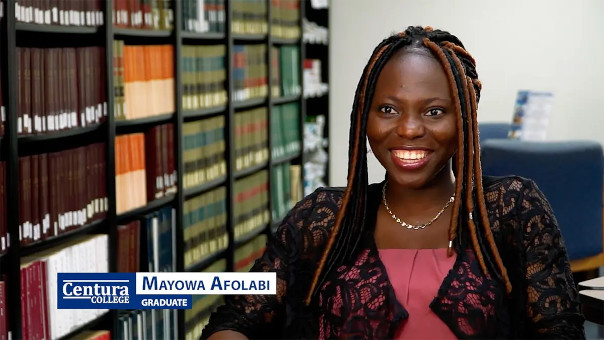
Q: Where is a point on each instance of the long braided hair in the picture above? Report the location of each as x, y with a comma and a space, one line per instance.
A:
469, 208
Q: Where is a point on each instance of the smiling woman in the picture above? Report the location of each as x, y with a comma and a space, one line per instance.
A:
433, 251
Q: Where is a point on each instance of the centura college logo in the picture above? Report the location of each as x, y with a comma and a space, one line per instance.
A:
110, 291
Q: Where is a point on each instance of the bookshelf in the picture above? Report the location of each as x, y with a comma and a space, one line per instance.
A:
103, 126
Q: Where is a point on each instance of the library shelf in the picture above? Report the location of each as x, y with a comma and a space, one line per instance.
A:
249, 236
206, 261
49, 136
134, 32
284, 159
250, 170
203, 36
246, 38
192, 114
150, 207
198, 189
285, 100
89, 325
42, 28
122, 125
284, 41
249, 103
61, 238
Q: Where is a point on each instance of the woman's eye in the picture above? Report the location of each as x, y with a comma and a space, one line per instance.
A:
434, 112
387, 109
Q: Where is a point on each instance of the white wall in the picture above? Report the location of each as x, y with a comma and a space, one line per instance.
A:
549, 45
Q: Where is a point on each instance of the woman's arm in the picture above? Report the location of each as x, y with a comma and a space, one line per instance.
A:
552, 306
296, 244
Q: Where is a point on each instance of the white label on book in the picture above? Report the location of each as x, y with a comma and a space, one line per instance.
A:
89, 210
89, 19
96, 206
3, 113
37, 232
74, 119
19, 125
62, 17
50, 123
106, 201
47, 16
56, 227
83, 18
3, 240
83, 119
20, 233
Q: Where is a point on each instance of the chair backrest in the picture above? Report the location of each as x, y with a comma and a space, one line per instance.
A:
570, 174
493, 130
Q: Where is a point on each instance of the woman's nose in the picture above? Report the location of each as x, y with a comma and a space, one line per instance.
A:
410, 127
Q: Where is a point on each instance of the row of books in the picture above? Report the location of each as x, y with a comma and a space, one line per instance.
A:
56, 12
285, 130
4, 235
285, 19
61, 191
143, 14
143, 80
144, 167
160, 161
129, 247
285, 71
40, 317
251, 211
60, 88
202, 306
203, 151
246, 254
249, 72
249, 16
286, 189
147, 324
203, 76
203, 15
251, 138
204, 225
147, 244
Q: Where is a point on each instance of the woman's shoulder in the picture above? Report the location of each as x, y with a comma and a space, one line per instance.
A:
507, 187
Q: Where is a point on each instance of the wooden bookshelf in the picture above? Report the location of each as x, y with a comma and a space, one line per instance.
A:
14, 145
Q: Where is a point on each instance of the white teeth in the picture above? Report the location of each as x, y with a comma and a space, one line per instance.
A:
410, 154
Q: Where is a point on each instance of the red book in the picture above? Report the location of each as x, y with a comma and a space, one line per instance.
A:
152, 163
43, 196
163, 147
3, 312
171, 157
35, 197
123, 244
3, 220
134, 248
44, 300
24, 309
37, 106
24, 199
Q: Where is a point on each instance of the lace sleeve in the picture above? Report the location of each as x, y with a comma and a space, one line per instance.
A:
295, 241
552, 306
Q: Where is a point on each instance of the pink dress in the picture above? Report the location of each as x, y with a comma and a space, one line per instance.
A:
416, 275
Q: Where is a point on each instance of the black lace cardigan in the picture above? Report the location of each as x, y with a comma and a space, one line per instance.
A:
543, 302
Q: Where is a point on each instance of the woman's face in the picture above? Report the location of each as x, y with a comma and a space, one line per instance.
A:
412, 121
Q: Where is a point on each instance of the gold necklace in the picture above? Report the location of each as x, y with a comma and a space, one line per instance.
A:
409, 225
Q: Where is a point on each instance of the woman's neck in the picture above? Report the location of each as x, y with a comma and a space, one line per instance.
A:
419, 199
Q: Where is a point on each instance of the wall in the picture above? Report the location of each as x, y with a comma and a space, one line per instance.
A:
549, 45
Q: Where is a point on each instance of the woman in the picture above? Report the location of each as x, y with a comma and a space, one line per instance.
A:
436, 250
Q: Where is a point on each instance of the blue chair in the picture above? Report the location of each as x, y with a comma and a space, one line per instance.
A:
493, 130
570, 174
